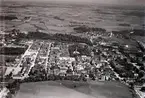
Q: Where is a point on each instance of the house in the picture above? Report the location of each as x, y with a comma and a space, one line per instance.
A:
140, 91
3, 92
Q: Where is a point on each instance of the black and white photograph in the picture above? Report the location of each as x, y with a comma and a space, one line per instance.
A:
72, 48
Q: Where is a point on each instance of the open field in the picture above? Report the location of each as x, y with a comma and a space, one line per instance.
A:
69, 89
62, 18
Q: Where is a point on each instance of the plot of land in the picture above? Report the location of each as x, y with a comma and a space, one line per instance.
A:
69, 89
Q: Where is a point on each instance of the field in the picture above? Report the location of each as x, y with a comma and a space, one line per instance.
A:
69, 89
62, 18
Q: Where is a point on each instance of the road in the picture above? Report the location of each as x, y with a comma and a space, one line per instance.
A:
32, 54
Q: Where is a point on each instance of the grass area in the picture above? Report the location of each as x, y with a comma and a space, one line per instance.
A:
7, 58
70, 89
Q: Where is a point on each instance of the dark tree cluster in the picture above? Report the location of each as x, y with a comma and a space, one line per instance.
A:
82, 29
58, 18
10, 17
134, 13
82, 49
126, 33
72, 38
12, 50
123, 71
58, 37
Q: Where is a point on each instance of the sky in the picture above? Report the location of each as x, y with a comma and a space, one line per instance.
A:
120, 2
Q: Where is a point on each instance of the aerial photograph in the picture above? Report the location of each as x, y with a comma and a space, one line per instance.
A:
72, 48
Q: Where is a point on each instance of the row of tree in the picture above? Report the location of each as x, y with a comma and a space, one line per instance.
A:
82, 29
58, 37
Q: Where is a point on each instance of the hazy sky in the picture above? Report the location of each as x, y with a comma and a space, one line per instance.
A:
126, 2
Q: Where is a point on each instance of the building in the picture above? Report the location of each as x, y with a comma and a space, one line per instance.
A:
142, 45
85, 58
66, 61
2, 71
3, 92
140, 91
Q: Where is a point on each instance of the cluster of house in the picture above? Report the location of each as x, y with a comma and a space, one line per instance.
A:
43, 55
78, 65
4, 92
27, 62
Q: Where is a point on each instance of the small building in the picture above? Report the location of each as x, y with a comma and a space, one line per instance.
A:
2, 71
85, 58
140, 91
66, 61
143, 88
63, 69
4, 92
76, 53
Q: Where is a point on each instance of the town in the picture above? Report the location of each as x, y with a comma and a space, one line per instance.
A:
49, 60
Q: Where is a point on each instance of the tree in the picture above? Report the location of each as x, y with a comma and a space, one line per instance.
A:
69, 71
141, 74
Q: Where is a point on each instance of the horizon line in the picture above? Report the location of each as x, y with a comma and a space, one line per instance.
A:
72, 2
